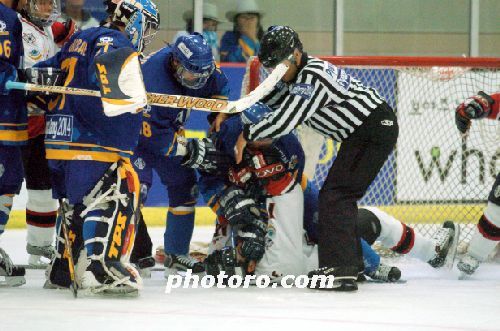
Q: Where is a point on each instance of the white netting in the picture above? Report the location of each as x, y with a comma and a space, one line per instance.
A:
434, 174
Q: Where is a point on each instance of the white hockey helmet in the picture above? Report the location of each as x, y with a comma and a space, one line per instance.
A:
43, 12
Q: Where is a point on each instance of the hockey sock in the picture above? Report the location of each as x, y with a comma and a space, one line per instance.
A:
180, 225
5, 207
401, 238
370, 258
487, 234
41, 214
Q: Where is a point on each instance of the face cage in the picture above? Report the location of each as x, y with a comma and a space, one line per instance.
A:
33, 12
199, 79
150, 32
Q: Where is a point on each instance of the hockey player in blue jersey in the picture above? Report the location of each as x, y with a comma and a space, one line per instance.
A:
185, 68
13, 128
272, 171
89, 142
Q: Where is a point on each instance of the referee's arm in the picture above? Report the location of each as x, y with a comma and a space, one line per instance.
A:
294, 110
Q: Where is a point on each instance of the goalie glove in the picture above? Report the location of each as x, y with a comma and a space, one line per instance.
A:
253, 238
202, 154
237, 207
475, 107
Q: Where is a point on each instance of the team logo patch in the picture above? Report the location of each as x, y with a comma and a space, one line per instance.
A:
3, 26
185, 50
106, 40
303, 90
139, 163
59, 128
35, 54
29, 38
387, 122
271, 233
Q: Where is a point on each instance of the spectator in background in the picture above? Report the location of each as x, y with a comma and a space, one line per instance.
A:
241, 43
74, 9
210, 22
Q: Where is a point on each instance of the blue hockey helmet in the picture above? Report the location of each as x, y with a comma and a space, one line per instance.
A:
141, 19
255, 113
195, 60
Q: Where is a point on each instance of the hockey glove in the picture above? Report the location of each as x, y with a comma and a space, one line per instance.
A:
202, 154
62, 31
7, 73
237, 207
475, 107
253, 237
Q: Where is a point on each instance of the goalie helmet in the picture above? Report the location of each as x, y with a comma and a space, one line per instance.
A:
42, 13
277, 44
140, 17
196, 61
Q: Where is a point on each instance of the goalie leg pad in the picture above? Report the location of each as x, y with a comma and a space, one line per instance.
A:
120, 81
109, 228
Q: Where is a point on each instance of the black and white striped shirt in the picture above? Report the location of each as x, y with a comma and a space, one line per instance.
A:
323, 97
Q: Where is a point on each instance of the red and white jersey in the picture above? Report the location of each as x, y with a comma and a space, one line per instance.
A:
38, 43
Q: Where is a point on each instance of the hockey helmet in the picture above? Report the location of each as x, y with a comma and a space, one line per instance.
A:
255, 113
196, 61
42, 13
141, 19
277, 44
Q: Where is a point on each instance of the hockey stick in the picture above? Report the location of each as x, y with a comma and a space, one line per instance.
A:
67, 248
170, 100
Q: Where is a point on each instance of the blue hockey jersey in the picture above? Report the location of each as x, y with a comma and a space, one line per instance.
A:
160, 124
76, 126
13, 115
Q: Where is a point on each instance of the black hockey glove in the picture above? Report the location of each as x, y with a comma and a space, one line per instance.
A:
253, 237
203, 155
475, 107
237, 207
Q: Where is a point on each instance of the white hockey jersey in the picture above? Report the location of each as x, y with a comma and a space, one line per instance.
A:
38, 43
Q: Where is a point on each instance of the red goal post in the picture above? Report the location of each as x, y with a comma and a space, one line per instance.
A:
434, 174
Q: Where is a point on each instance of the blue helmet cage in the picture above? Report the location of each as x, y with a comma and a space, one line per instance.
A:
143, 23
196, 60
255, 113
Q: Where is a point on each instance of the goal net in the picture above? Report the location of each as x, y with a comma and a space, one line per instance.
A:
434, 174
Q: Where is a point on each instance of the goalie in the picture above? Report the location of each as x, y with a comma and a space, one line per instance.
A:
487, 233
89, 142
261, 198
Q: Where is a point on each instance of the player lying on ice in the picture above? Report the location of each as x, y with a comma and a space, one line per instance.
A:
265, 203
487, 233
89, 142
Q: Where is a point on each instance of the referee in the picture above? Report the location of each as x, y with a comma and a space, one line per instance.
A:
315, 93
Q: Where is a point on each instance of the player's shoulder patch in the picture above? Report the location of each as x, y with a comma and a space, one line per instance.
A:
3, 28
302, 89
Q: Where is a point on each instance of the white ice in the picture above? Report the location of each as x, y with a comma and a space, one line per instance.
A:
430, 300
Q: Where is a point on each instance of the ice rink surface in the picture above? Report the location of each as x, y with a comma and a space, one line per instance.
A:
430, 300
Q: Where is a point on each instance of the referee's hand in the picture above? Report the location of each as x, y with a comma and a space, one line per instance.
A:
238, 149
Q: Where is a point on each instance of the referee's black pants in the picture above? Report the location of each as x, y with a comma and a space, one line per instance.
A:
358, 162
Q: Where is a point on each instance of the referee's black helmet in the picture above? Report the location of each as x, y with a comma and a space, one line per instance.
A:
277, 44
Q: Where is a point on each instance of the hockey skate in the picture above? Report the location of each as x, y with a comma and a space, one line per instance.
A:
37, 253
144, 266
120, 279
467, 265
344, 278
446, 240
385, 274
10, 274
179, 264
